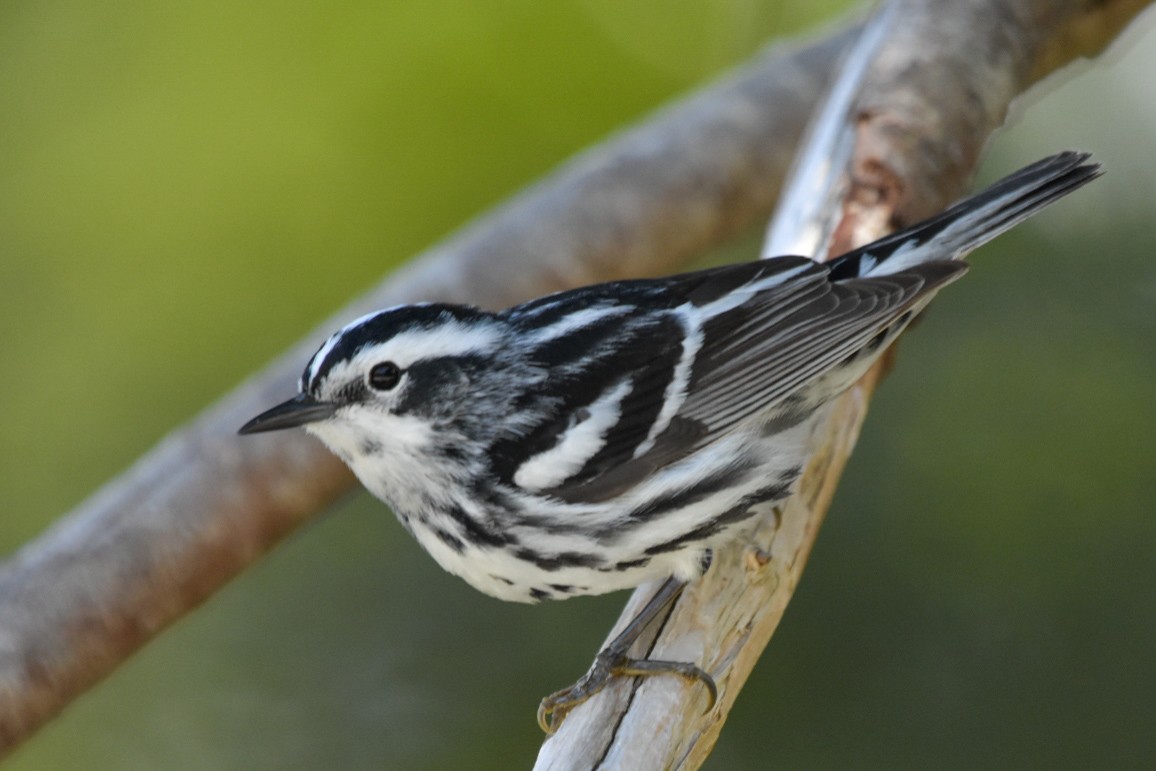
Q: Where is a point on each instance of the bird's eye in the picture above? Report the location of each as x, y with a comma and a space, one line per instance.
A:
384, 376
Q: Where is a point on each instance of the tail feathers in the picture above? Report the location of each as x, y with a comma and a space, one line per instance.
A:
973, 221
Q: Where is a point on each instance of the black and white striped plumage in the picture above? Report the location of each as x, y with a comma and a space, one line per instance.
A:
598, 438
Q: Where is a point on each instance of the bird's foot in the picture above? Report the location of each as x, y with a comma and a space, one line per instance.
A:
613, 662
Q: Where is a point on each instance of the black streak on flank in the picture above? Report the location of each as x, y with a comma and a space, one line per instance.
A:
475, 533
566, 559
736, 513
689, 495
450, 540
539, 594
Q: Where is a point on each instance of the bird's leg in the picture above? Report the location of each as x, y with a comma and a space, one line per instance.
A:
613, 661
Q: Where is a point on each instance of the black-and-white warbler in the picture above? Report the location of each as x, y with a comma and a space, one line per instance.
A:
599, 438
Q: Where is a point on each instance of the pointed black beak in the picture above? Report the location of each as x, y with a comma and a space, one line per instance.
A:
298, 411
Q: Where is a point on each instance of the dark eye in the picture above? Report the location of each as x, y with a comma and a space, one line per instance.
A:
384, 376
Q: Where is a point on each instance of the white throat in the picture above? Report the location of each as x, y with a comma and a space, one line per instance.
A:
390, 454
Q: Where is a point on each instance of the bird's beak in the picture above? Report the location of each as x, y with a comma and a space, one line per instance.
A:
298, 411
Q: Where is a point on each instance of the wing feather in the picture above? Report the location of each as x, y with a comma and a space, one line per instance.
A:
767, 329
777, 354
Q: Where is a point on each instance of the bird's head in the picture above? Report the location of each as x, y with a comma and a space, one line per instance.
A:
395, 381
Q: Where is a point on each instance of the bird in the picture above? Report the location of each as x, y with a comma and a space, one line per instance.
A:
616, 434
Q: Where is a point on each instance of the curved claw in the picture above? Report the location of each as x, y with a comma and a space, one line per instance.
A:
553, 709
684, 669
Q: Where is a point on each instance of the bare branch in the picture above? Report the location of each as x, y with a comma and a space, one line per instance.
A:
940, 87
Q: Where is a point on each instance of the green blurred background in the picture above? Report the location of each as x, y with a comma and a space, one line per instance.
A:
185, 190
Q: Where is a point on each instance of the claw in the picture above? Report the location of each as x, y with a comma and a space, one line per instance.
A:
554, 708
607, 665
684, 669
549, 715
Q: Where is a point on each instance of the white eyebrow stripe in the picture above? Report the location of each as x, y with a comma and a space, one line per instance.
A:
322, 352
327, 347
447, 339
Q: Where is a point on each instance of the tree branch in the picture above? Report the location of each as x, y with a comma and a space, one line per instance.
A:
940, 86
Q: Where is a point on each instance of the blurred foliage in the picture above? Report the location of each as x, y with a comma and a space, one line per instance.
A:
186, 190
